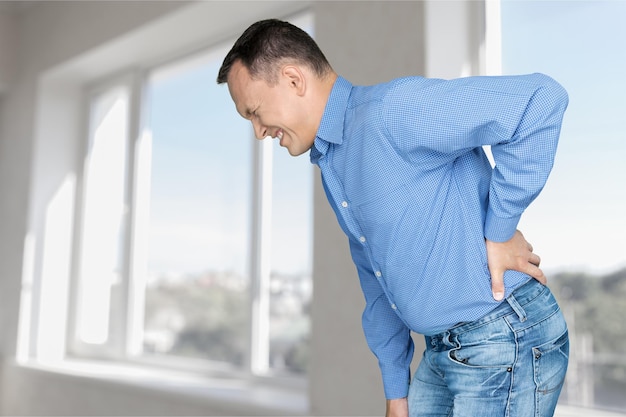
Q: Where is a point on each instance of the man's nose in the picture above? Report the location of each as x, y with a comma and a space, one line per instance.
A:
260, 131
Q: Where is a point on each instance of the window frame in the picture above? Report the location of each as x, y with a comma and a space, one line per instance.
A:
115, 348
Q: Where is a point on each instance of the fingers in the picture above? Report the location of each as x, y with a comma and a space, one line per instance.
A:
533, 268
534, 259
536, 273
497, 285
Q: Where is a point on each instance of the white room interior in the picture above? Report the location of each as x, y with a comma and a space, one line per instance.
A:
51, 53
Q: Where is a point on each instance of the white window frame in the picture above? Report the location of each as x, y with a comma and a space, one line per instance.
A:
116, 347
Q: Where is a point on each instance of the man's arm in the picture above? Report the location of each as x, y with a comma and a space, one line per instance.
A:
518, 116
524, 161
523, 164
387, 336
397, 408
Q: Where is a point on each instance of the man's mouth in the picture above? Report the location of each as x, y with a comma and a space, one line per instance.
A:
279, 135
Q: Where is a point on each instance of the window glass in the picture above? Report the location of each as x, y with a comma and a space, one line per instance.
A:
196, 300
290, 276
577, 224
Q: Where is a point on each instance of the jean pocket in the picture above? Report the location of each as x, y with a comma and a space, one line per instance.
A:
550, 364
492, 346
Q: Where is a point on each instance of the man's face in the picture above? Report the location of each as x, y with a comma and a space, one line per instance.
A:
274, 110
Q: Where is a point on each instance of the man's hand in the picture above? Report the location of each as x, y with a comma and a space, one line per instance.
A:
516, 254
397, 408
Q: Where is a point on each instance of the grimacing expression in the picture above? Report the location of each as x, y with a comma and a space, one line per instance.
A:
276, 110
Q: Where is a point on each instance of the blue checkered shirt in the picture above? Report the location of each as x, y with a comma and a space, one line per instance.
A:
404, 170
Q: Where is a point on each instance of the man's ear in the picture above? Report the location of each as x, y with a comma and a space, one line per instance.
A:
296, 78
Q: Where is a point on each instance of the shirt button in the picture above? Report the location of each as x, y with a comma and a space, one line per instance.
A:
393, 306
378, 274
344, 204
362, 239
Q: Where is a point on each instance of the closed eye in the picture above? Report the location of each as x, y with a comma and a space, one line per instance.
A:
250, 113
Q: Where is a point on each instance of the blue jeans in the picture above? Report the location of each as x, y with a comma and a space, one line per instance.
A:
510, 363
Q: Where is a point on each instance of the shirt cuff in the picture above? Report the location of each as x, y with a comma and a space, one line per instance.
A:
396, 382
499, 229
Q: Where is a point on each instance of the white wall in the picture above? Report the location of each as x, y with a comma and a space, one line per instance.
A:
65, 45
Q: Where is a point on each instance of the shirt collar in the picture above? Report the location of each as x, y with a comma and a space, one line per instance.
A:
331, 126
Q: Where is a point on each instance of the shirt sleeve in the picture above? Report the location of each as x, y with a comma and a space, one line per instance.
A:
387, 336
433, 122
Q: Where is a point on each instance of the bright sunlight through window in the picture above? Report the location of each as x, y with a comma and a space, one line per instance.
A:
103, 226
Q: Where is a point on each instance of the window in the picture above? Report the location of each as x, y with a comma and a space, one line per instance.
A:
581, 44
195, 239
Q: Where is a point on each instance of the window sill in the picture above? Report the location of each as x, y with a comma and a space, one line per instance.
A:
243, 396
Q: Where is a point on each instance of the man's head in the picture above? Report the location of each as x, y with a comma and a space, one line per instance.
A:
280, 80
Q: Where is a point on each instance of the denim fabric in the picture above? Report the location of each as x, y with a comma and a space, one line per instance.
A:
512, 362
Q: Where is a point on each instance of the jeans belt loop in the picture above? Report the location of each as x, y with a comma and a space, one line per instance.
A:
521, 314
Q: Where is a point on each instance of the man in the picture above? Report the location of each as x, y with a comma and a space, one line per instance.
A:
431, 226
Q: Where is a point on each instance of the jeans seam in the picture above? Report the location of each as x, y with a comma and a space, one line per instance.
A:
507, 412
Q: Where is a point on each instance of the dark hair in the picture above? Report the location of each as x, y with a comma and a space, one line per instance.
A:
267, 43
